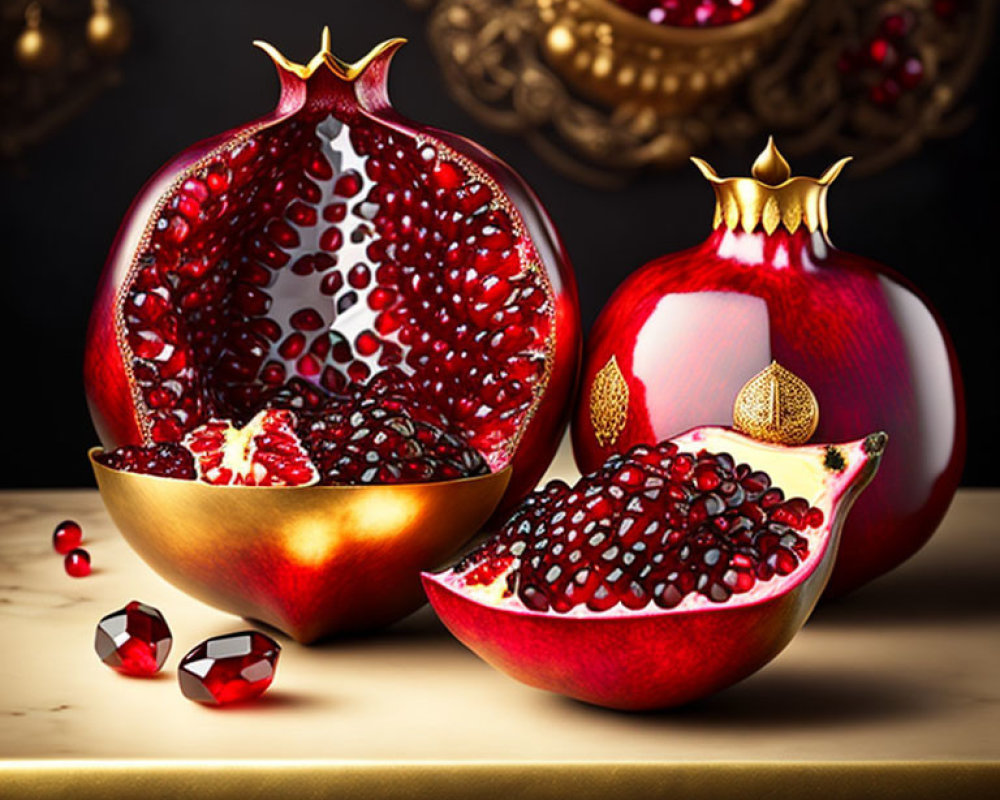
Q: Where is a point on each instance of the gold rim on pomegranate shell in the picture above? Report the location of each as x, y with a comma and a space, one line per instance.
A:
312, 561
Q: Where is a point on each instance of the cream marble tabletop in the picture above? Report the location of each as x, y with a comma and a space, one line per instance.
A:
903, 671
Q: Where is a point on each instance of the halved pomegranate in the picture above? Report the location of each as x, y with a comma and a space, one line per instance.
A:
669, 573
331, 293
302, 254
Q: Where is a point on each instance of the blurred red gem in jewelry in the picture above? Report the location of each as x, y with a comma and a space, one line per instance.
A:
67, 536
133, 640
229, 669
77, 563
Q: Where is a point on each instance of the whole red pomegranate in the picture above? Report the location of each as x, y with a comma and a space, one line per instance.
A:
332, 241
682, 335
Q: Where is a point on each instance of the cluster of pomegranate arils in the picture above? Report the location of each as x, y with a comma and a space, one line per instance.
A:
655, 525
379, 433
888, 62
135, 640
693, 13
66, 540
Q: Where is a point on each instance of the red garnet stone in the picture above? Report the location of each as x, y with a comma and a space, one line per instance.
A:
134, 640
228, 669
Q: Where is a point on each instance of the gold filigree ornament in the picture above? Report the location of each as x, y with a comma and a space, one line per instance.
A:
776, 405
602, 93
772, 197
608, 403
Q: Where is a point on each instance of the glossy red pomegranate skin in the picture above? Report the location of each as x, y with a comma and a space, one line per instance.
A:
689, 329
593, 659
118, 409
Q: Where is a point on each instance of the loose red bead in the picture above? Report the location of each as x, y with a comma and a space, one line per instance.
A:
77, 563
229, 669
67, 536
134, 640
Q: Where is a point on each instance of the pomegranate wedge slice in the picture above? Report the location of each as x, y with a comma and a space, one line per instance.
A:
670, 573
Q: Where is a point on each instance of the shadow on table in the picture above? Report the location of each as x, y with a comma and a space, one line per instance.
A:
423, 625
276, 700
917, 595
780, 698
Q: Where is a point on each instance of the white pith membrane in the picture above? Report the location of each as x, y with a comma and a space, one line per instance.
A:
208, 283
798, 471
348, 308
225, 455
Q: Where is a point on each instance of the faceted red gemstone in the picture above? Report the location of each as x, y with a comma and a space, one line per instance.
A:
77, 563
67, 536
229, 669
133, 640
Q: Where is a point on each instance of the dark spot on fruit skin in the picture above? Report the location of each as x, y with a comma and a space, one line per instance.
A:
834, 459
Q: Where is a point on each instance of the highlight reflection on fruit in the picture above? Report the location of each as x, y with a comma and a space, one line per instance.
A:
682, 334
670, 572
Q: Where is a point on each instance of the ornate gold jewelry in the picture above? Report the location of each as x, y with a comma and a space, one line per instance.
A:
602, 93
776, 405
608, 403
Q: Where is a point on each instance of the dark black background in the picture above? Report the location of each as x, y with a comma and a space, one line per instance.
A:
191, 73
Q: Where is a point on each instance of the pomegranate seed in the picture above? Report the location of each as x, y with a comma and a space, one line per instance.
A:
359, 276
447, 176
189, 207
273, 373
308, 366
306, 319
283, 234
366, 344
217, 182
66, 536
348, 185
335, 212
77, 563
293, 346
229, 669
133, 640
195, 189
320, 168
331, 239
301, 214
